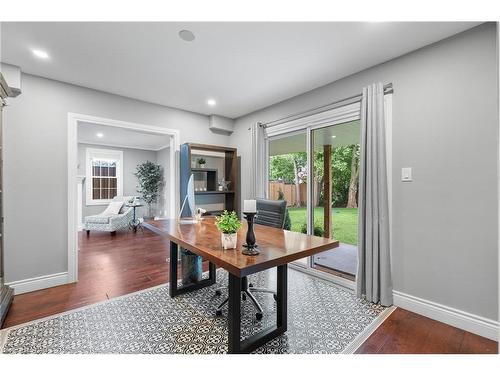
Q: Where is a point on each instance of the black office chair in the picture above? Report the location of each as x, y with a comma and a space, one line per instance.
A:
272, 214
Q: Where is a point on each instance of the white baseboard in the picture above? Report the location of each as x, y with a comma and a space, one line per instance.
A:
457, 318
37, 283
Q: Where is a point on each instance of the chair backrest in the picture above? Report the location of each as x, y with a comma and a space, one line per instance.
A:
271, 213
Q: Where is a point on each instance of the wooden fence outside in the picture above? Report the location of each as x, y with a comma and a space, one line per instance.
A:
289, 191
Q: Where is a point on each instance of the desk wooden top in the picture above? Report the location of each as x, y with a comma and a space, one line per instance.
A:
276, 246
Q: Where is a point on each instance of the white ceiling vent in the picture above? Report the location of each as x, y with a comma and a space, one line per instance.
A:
220, 123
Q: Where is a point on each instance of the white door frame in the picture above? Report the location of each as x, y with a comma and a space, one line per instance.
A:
73, 120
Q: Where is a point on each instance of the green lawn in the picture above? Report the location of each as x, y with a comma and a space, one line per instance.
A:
345, 222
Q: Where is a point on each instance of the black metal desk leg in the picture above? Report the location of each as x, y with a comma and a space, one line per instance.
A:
282, 291
175, 290
234, 314
173, 269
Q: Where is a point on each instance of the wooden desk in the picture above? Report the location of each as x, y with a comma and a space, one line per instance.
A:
277, 248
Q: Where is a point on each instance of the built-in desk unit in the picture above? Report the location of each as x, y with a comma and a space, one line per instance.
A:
215, 180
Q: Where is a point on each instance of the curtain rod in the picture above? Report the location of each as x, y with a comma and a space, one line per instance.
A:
387, 90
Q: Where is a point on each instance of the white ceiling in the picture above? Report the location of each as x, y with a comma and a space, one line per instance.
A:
243, 66
337, 135
121, 137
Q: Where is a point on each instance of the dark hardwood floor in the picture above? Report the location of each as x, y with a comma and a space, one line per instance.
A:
111, 266
409, 333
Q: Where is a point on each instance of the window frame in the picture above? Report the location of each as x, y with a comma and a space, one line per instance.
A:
97, 153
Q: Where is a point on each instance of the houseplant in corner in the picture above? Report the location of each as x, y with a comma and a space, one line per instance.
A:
228, 223
150, 177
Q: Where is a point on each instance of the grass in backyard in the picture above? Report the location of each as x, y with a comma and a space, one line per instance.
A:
345, 222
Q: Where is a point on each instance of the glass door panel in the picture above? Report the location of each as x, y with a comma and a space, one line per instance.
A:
335, 161
287, 178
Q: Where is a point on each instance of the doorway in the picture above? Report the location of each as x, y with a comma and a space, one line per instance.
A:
112, 179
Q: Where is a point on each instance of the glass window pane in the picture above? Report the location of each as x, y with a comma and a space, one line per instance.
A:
112, 193
104, 183
112, 171
96, 194
104, 194
112, 183
95, 183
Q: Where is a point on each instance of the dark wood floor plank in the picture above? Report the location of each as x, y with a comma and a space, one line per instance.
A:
474, 344
113, 266
410, 333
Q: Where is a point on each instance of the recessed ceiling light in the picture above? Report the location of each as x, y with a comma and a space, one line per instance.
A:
211, 102
40, 54
334, 136
99, 135
186, 35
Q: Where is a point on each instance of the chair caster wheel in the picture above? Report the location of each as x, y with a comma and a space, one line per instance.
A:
258, 316
244, 297
275, 296
218, 313
250, 285
218, 292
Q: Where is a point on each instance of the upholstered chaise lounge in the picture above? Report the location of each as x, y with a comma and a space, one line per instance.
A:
106, 222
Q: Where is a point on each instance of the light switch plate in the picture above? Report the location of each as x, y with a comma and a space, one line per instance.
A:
406, 174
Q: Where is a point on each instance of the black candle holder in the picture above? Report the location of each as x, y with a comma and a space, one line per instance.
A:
250, 248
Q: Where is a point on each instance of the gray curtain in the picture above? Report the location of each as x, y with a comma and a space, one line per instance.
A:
374, 267
258, 160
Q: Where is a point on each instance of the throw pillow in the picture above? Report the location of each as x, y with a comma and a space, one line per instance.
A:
113, 209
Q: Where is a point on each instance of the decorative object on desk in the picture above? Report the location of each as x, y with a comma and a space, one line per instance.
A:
150, 176
199, 213
250, 210
228, 223
202, 162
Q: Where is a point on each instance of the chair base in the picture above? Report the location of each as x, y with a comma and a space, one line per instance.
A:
246, 291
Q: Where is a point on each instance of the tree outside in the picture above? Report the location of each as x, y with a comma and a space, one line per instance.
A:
291, 169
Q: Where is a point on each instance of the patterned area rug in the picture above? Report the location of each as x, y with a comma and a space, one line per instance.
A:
323, 318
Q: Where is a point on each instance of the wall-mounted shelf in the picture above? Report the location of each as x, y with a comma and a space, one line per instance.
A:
213, 192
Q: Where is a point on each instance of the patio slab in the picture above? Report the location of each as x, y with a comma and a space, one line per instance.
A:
343, 258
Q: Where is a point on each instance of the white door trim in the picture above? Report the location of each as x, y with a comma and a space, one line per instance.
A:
73, 120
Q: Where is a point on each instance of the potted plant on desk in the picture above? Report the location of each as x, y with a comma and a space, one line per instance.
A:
228, 223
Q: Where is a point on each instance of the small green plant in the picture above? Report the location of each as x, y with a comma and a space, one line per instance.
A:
318, 230
202, 161
228, 222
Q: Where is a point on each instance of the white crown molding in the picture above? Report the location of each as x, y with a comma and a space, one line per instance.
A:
39, 282
118, 145
457, 318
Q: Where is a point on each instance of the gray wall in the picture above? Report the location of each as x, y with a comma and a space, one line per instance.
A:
35, 161
163, 159
131, 158
445, 126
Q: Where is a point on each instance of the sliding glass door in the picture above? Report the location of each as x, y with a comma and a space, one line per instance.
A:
287, 180
315, 168
335, 173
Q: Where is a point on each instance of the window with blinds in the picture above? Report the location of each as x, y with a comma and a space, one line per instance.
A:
104, 175
104, 179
